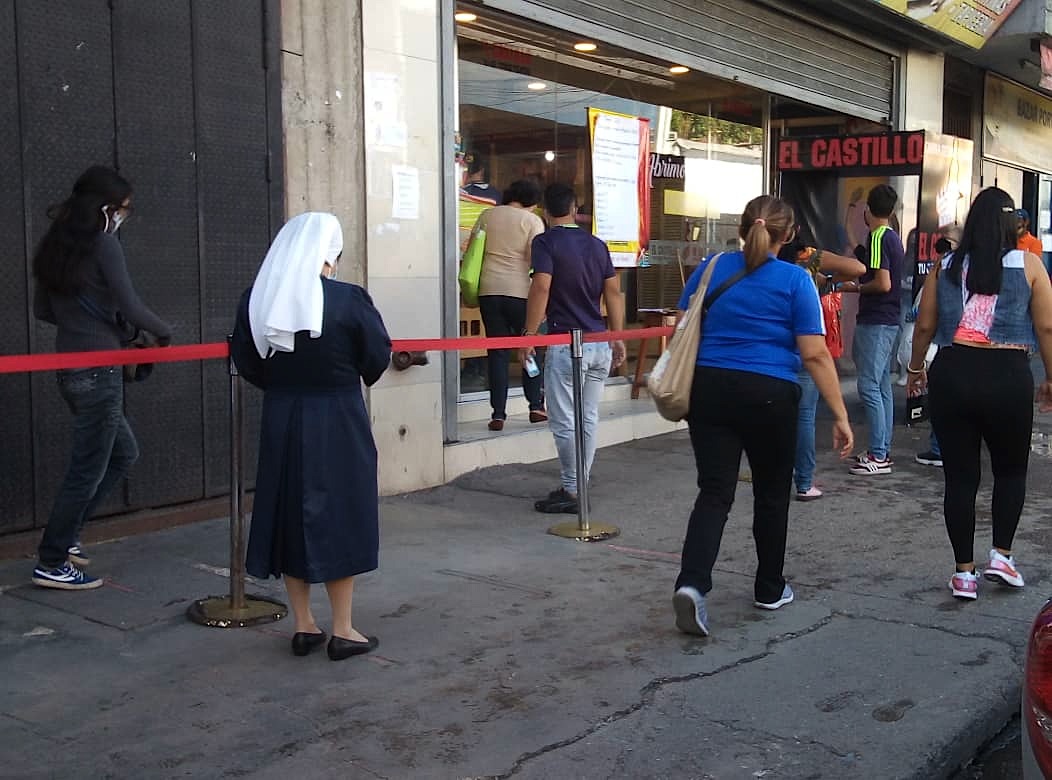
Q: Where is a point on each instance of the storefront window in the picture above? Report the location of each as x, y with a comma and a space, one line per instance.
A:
525, 91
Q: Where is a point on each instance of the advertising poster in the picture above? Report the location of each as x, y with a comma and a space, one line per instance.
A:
971, 22
620, 183
945, 196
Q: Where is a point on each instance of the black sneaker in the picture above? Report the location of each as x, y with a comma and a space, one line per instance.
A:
929, 458
557, 502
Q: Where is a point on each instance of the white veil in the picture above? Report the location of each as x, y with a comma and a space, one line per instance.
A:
287, 294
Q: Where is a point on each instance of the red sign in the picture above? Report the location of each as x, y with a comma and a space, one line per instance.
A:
885, 150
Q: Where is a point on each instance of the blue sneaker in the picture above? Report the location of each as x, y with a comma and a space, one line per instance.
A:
787, 598
65, 577
691, 617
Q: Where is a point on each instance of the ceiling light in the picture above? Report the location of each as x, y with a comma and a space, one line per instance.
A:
536, 86
549, 155
465, 16
585, 46
679, 70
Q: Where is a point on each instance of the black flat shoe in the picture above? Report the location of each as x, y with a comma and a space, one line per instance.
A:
303, 643
340, 648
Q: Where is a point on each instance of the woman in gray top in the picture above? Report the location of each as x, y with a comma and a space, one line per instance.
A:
82, 286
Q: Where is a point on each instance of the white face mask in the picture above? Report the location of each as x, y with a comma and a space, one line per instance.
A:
113, 223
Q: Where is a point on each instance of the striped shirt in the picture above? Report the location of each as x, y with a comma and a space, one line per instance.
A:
883, 252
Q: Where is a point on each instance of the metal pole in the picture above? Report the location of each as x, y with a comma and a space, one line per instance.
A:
237, 491
576, 360
583, 530
236, 610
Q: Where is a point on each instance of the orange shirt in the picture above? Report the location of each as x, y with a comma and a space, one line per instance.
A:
1029, 243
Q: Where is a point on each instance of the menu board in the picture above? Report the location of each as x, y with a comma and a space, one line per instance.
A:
621, 191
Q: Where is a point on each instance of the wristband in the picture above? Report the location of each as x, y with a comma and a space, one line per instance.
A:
911, 370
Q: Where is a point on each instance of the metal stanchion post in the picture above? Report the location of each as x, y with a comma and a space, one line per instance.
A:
237, 491
236, 610
583, 530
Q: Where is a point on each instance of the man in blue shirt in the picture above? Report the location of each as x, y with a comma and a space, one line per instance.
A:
877, 327
572, 270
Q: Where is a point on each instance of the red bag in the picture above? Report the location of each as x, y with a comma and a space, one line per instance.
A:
832, 314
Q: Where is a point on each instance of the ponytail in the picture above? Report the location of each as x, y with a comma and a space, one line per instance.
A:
766, 222
757, 245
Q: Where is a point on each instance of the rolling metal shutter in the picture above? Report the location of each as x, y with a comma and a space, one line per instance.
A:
738, 40
182, 96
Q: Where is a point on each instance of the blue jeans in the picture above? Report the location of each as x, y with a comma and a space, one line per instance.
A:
872, 351
933, 444
558, 384
804, 469
104, 448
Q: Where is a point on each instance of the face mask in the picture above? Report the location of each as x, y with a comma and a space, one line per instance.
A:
112, 223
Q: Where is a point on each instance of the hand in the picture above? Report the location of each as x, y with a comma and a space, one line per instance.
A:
1044, 396
843, 437
619, 353
525, 354
917, 384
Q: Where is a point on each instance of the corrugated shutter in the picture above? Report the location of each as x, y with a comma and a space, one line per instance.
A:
738, 40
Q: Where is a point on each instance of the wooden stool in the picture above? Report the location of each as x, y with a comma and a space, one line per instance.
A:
652, 318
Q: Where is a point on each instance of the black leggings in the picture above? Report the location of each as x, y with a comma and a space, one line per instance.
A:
732, 411
981, 395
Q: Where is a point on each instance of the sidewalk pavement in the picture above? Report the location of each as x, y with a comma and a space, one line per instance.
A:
507, 652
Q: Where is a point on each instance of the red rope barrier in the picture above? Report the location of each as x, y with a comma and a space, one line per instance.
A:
13, 364
629, 335
16, 364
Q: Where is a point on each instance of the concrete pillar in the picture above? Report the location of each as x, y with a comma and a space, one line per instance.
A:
321, 85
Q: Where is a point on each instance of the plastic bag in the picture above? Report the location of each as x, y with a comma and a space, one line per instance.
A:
471, 268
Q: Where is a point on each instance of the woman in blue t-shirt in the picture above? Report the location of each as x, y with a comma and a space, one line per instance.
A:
766, 321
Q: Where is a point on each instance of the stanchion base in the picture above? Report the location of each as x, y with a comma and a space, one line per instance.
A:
596, 532
216, 612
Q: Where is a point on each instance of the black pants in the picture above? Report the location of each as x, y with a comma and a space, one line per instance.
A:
503, 315
732, 411
981, 395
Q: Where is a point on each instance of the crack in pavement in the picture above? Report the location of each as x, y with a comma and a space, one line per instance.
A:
771, 735
34, 729
648, 694
912, 624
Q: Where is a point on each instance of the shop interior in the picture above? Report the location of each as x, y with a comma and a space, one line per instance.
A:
524, 90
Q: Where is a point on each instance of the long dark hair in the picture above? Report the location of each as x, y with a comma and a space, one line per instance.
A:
766, 220
989, 232
58, 263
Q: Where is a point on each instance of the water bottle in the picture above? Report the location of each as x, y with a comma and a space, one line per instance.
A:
531, 367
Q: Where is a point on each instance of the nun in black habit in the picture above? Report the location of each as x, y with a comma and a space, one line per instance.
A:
309, 342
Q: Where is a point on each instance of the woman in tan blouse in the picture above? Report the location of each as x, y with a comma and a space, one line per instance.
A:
503, 288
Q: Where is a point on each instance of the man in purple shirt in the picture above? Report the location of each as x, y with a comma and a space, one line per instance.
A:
572, 270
